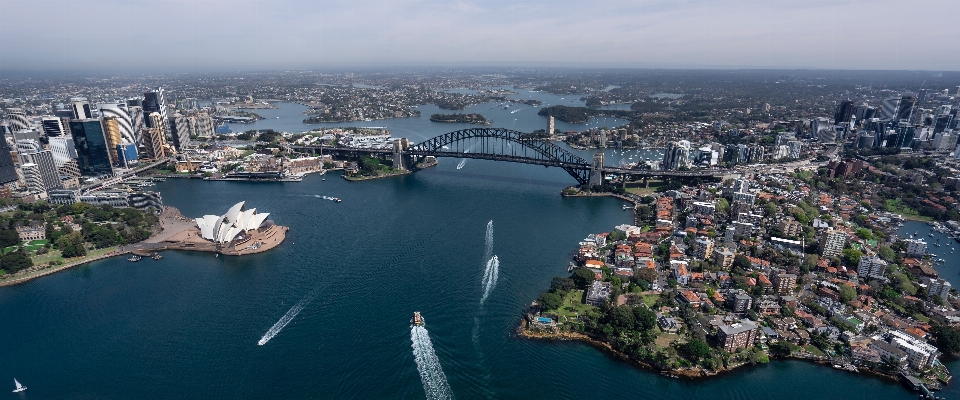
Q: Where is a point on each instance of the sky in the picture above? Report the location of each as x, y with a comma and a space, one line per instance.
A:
194, 35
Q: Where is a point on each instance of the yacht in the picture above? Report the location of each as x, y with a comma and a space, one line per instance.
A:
134, 258
19, 388
417, 319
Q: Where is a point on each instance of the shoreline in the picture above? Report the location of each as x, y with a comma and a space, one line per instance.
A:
173, 237
692, 373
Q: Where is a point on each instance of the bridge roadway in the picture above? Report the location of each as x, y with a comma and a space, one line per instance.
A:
386, 153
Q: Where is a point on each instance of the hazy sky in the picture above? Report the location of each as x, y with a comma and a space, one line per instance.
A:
255, 34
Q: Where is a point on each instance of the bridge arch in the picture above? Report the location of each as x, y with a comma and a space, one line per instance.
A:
504, 145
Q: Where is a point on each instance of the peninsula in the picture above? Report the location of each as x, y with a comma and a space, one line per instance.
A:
476, 119
714, 277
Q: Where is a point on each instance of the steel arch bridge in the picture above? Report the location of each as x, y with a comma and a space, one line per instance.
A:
503, 145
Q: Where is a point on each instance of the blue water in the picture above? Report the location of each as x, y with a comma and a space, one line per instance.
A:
188, 326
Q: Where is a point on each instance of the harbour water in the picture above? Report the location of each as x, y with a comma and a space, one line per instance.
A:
337, 297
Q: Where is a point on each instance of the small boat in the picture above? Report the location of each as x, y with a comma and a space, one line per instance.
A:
417, 319
19, 388
156, 256
627, 207
134, 258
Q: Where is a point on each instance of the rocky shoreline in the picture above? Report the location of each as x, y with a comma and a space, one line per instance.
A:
525, 332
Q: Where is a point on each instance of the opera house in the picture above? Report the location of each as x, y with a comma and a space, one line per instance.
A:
234, 224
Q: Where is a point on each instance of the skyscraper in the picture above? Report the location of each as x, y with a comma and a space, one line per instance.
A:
93, 157
182, 128
905, 108
111, 132
52, 126
17, 119
63, 150
843, 112
205, 127
124, 122
46, 168
80, 110
8, 171
154, 140
154, 101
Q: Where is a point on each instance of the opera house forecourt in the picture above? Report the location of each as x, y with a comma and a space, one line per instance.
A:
237, 232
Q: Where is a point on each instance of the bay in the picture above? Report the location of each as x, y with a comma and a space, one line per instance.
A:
187, 326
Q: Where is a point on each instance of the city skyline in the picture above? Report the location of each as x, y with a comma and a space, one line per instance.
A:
258, 35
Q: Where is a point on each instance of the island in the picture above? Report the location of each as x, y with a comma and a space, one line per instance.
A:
474, 118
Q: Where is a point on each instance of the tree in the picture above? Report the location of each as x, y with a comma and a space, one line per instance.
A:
741, 261
549, 301
647, 274
887, 254
851, 257
562, 284
72, 245
847, 293
695, 350
583, 277
9, 237
15, 261
864, 233
948, 339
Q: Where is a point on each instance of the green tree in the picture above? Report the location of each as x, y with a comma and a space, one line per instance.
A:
948, 339
549, 301
695, 350
15, 261
9, 237
72, 245
887, 254
851, 257
847, 293
562, 284
583, 277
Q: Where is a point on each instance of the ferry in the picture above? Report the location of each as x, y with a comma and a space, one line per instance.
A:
417, 319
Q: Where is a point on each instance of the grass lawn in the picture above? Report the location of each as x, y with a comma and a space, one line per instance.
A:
572, 306
650, 299
814, 350
664, 339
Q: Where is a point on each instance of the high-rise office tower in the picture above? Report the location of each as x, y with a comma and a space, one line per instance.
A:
843, 112
905, 108
155, 101
154, 140
93, 157
17, 119
52, 126
124, 122
154, 144
32, 178
27, 146
182, 128
111, 132
8, 170
63, 150
205, 126
136, 121
80, 110
46, 167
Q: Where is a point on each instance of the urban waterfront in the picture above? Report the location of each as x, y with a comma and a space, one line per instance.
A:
188, 325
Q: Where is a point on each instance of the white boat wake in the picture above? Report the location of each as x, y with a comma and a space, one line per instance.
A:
490, 274
431, 374
463, 161
488, 241
289, 316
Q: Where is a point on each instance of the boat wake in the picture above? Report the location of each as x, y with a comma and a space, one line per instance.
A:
289, 316
431, 374
490, 274
488, 241
463, 161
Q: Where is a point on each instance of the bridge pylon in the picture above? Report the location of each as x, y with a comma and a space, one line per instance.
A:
596, 170
400, 147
